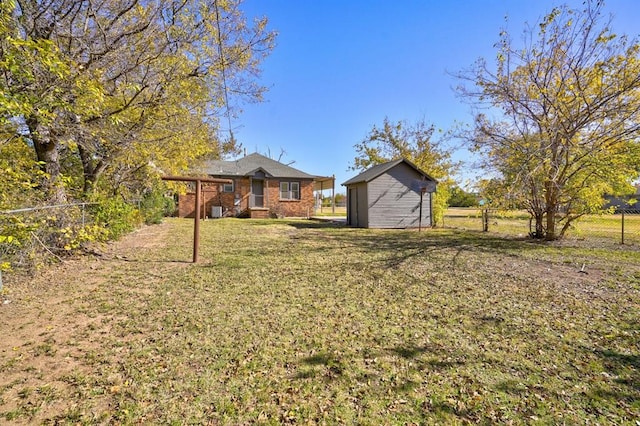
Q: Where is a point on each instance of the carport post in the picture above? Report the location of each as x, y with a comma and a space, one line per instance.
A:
333, 194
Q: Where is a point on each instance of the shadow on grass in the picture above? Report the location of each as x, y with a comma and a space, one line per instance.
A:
409, 352
445, 364
148, 261
617, 359
319, 359
512, 387
297, 223
404, 245
447, 408
325, 364
400, 245
625, 366
406, 387
317, 224
400, 239
441, 358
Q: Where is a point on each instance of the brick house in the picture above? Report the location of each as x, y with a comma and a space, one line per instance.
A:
260, 188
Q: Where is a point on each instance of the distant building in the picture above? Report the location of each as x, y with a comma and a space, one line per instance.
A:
623, 202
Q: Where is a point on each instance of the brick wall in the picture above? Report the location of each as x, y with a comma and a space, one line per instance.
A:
212, 195
291, 208
185, 205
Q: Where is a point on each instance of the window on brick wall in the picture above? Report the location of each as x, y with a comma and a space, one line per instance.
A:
227, 187
289, 190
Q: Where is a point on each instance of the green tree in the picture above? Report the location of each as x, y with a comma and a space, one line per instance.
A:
123, 84
19, 175
461, 198
99, 98
28, 95
564, 120
414, 142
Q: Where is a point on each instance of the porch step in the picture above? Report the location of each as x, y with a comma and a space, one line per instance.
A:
259, 213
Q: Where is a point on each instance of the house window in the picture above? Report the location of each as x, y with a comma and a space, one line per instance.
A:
227, 187
289, 190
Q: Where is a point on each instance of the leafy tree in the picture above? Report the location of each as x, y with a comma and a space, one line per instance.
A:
28, 67
19, 175
121, 84
566, 117
414, 142
461, 198
100, 97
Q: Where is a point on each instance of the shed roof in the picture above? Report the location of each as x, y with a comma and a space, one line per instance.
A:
377, 170
252, 163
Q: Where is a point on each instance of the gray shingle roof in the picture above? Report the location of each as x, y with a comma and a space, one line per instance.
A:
377, 170
248, 165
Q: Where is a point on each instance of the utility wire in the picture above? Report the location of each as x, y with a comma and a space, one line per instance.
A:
224, 72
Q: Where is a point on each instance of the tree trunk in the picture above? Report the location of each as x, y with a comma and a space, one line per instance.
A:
88, 173
539, 225
47, 154
91, 170
551, 207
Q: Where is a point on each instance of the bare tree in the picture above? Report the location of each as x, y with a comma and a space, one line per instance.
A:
562, 116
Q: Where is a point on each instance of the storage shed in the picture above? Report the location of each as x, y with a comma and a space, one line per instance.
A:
396, 194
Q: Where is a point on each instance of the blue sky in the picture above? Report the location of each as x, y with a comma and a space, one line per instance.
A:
340, 67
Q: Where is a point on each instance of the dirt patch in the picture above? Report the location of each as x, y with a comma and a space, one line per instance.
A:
50, 326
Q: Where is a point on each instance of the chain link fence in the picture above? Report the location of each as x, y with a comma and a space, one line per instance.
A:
29, 236
623, 227
32, 236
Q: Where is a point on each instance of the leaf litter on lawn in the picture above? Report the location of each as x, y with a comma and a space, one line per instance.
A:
303, 322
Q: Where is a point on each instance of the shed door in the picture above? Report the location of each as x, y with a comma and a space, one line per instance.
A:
353, 208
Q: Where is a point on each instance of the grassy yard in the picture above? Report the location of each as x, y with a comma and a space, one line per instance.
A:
288, 322
604, 227
328, 211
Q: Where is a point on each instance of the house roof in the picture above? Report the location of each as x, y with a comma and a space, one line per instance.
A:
252, 163
377, 170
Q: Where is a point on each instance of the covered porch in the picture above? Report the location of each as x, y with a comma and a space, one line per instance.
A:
323, 185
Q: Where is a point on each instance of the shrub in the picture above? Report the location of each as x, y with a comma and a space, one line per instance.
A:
116, 217
155, 206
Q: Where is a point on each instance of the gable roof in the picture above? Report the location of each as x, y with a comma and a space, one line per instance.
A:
252, 163
380, 169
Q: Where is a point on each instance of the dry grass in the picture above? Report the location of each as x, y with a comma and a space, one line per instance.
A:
604, 227
328, 211
301, 322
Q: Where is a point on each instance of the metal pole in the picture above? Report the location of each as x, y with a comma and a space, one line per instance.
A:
432, 223
622, 236
196, 223
420, 217
333, 194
